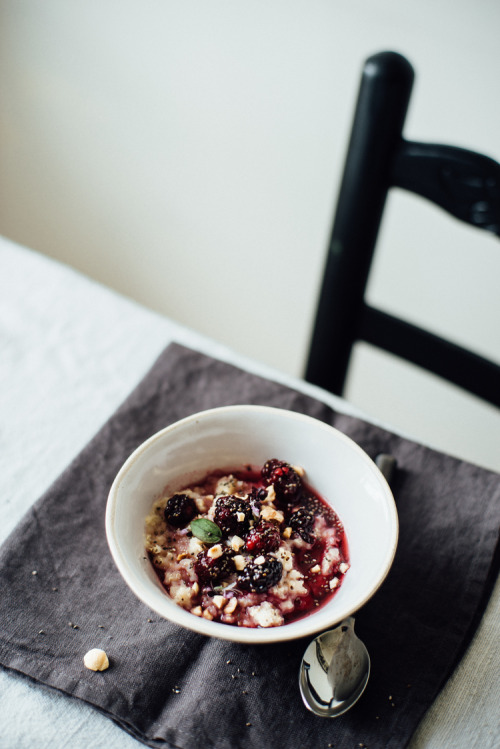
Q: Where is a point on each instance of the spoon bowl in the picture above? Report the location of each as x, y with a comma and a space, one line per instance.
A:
334, 671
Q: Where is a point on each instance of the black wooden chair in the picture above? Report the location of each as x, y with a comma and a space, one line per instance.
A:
464, 183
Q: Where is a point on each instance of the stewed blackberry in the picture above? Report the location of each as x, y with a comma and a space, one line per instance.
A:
210, 569
233, 515
301, 521
257, 495
255, 500
180, 510
262, 538
285, 479
260, 574
317, 507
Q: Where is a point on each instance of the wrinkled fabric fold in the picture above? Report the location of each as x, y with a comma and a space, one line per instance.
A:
62, 595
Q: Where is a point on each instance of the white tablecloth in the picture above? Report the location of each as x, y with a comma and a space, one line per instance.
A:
70, 352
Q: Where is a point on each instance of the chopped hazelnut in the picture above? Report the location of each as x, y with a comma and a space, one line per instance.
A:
237, 543
287, 533
231, 606
316, 569
239, 562
207, 615
271, 494
96, 660
269, 513
219, 601
215, 551
197, 611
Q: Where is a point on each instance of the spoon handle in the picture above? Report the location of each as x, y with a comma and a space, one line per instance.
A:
387, 465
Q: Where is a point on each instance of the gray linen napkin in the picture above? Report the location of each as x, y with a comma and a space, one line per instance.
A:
171, 687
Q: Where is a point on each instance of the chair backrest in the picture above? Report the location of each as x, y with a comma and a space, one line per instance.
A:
464, 183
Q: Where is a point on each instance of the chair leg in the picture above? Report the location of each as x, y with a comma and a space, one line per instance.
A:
376, 134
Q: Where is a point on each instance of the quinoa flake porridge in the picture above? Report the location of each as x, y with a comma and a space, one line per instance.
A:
251, 548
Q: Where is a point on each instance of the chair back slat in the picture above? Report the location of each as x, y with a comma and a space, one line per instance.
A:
453, 363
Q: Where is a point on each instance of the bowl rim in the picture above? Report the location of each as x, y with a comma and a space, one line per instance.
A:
306, 626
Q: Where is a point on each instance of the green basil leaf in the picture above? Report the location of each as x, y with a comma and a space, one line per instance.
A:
205, 530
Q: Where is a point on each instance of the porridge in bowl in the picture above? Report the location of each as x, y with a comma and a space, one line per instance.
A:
250, 548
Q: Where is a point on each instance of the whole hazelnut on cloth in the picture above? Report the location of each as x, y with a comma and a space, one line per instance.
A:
96, 660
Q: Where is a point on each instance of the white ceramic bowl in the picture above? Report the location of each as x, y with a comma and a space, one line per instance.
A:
232, 437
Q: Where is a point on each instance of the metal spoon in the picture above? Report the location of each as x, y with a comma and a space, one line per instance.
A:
334, 671
336, 666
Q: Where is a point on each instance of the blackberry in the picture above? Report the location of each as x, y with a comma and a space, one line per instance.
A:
233, 515
257, 495
301, 521
317, 507
257, 578
286, 481
210, 570
180, 510
263, 537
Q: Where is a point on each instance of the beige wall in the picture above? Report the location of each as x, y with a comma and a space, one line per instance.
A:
188, 155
